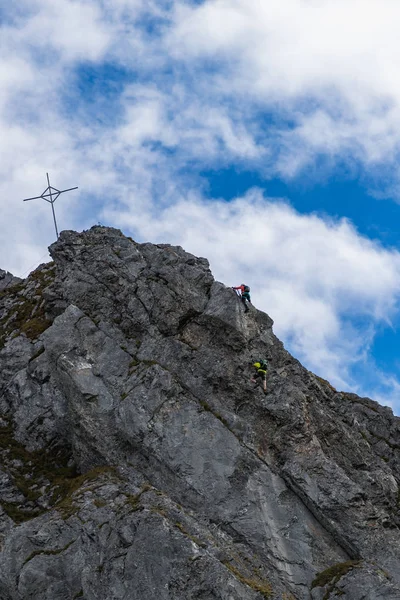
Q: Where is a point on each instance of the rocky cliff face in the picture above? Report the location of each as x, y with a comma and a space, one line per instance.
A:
139, 463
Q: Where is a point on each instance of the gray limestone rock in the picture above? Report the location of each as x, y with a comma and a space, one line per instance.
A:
139, 462
7, 280
354, 580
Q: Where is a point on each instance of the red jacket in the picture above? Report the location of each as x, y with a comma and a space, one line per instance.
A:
239, 287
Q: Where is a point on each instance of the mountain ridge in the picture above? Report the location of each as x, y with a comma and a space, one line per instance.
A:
125, 398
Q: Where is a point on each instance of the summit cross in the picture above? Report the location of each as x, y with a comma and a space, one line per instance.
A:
51, 194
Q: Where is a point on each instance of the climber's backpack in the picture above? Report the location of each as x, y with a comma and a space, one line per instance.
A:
246, 288
263, 364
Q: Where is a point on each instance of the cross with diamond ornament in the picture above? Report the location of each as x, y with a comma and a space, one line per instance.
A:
51, 194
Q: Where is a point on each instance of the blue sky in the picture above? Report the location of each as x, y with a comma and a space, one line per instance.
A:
263, 135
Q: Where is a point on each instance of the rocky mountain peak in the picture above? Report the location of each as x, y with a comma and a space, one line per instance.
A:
138, 460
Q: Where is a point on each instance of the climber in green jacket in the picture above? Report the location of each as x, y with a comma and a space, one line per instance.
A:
261, 373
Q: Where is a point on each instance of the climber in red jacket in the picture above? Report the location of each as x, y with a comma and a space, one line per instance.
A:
245, 295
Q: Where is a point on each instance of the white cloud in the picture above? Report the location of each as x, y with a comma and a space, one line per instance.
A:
178, 120
328, 66
71, 29
291, 47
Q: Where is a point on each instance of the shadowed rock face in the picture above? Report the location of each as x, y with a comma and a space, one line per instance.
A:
139, 463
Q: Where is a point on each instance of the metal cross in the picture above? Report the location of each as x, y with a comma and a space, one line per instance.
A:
51, 194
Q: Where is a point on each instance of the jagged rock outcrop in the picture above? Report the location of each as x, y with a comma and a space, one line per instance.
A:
139, 462
7, 279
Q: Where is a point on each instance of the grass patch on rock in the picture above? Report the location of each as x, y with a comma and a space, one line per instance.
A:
36, 475
48, 552
68, 491
45, 478
325, 382
207, 408
254, 582
332, 575
23, 308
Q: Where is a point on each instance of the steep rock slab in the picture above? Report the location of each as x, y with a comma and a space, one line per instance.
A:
144, 363
110, 539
